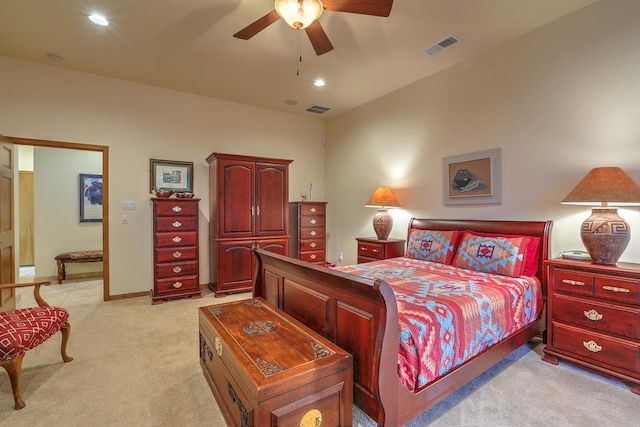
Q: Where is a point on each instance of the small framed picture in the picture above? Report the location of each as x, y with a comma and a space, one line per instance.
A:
171, 175
473, 178
90, 192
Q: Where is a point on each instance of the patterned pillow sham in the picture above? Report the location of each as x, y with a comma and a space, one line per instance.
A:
497, 255
432, 245
531, 255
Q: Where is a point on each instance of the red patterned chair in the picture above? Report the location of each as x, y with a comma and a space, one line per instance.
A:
26, 328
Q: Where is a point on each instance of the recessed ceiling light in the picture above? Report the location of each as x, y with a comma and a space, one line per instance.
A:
54, 57
291, 102
98, 20
319, 83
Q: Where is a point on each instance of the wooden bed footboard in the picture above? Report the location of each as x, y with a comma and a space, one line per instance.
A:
359, 315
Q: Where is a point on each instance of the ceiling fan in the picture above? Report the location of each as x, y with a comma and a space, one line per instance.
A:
304, 14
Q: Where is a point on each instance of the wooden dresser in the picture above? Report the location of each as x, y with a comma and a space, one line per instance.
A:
267, 369
308, 231
175, 249
248, 205
372, 249
594, 317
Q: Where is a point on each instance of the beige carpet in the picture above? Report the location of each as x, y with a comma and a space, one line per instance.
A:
137, 365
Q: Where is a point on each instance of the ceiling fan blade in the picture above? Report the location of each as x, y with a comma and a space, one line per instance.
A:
318, 38
255, 27
363, 7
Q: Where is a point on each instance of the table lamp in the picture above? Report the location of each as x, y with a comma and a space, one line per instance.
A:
605, 234
382, 199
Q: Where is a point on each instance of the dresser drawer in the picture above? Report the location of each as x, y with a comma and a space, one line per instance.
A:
176, 224
312, 256
311, 244
595, 346
619, 320
616, 289
312, 233
174, 269
312, 209
176, 254
176, 208
312, 221
573, 282
171, 285
371, 250
188, 238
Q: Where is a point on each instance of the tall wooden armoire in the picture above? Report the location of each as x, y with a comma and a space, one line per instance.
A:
248, 209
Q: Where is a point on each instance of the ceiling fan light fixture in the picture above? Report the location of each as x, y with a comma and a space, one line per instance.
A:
299, 13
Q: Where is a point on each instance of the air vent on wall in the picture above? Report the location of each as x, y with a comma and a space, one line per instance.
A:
318, 109
443, 44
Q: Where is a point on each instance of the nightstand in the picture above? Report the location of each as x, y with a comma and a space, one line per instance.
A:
593, 317
372, 249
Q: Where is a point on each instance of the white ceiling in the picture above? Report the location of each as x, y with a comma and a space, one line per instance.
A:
187, 45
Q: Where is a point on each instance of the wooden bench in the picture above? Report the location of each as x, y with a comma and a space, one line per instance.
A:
76, 256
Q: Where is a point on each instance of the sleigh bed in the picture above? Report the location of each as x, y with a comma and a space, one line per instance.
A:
358, 309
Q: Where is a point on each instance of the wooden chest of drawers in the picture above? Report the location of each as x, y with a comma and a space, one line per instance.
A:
308, 231
266, 369
175, 249
594, 317
372, 249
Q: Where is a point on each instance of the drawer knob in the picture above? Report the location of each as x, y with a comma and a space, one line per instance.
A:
177, 285
592, 346
176, 209
313, 210
313, 233
313, 221
593, 315
177, 269
615, 289
573, 282
177, 239
177, 254
363, 249
177, 224
313, 244
312, 256
375, 250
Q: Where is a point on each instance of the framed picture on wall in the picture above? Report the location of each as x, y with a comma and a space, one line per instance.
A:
90, 196
473, 178
171, 175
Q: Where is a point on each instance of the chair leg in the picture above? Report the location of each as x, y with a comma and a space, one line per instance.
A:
14, 369
66, 330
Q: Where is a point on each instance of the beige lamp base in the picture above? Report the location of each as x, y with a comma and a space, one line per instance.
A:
605, 235
382, 224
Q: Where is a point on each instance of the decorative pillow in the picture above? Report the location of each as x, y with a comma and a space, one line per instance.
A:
497, 255
432, 245
531, 255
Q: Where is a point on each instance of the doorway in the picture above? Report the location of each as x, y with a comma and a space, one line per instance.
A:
104, 151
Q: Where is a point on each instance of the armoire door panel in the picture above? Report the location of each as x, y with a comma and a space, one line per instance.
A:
272, 195
237, 190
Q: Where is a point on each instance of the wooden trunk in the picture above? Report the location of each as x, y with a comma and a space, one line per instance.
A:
266, 369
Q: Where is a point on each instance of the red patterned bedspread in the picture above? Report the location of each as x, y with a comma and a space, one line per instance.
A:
448, 314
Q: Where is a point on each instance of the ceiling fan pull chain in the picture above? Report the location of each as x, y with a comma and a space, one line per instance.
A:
298, 54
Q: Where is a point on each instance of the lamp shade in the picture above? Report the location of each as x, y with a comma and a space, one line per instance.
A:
299, 13
605, 234
607, 186
382, 198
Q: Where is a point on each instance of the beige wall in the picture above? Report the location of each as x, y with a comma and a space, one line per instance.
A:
138, 123
57, 227
558, 101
